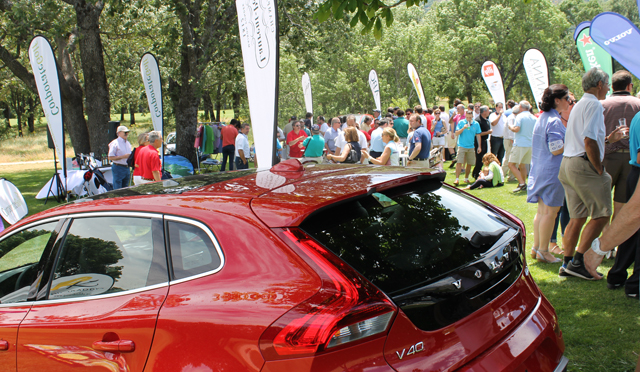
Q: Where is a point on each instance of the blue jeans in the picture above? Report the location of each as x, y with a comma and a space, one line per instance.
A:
121, 176
227, 153
240, 164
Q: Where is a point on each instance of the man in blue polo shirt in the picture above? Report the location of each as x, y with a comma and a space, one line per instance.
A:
466, 130
420, 145
377, 145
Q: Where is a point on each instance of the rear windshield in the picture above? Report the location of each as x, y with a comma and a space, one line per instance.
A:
404, 237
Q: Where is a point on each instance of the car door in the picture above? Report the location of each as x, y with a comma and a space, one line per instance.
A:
22, 254
100, 303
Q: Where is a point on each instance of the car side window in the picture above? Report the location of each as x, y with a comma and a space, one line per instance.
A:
192, 251
102, 255
19, 257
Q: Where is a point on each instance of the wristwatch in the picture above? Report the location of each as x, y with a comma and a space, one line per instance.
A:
595, 247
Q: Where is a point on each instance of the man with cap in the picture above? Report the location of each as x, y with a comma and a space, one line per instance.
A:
119, 151
314, 145
376, 114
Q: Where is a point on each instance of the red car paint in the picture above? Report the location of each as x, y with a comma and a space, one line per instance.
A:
216, 322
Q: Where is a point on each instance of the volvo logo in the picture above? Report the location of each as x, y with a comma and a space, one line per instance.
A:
457, 283
478, 274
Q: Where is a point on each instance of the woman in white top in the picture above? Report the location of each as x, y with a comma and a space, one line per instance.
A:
391, 153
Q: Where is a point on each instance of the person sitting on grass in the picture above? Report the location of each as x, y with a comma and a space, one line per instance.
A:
491, 176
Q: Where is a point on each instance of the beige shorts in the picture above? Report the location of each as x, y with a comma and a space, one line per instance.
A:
437, 141
450, 142
466, 156
588, 193
520, 155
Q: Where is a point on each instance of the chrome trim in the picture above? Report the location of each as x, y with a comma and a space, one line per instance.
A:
17, 304
108, 295
208, 231
562, 365
32, 224
115, 214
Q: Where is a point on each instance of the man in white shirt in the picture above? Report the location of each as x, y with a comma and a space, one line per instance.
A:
323, 125
362, 139
476, 110
496, 119
507, 141
119, 151
330, 137
586, 185
243, 150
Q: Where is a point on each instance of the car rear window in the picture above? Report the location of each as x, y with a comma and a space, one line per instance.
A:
406, 236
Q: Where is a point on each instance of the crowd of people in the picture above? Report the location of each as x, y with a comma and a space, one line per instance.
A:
571, 158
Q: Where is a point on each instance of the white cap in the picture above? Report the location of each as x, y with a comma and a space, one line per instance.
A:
122, 128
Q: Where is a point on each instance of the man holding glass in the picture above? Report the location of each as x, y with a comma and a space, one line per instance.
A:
619, 110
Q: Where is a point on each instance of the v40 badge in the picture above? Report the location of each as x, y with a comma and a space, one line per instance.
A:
412, 350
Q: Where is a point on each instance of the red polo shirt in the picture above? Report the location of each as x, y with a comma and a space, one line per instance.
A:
148, 161
229, 133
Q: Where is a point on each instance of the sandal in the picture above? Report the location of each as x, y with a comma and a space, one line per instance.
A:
556, 250
534, 253
541, 258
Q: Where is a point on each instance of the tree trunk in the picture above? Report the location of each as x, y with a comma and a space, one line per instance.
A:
185, 105
72, 101
208, 107
132, 115
95, 78
123, 110
31, 117
7, 115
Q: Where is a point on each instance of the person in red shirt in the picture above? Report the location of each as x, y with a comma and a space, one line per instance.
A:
229, 133
295, 139
143, 141
149, 161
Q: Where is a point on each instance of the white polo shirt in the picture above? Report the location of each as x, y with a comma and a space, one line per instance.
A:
586, 120
119, 147
362, 140
498, 129
242, 143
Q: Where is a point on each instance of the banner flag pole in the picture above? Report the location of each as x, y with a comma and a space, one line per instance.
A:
375, 87
152, 82
535, 65
45, 71
493, 79
415, 79
258, 26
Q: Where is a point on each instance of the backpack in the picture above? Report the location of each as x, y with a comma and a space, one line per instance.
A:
131, 160
353, 157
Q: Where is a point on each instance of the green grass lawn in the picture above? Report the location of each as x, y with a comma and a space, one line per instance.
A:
601, 327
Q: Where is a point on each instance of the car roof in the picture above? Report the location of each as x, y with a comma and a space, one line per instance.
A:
281, 196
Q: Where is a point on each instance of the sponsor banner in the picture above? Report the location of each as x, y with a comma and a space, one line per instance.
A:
45, 72
591, 54
12, 205
306, 89
535, 65
493, 79
579, 28
619, 37
415, 79
153, 86
375, 87
258, 24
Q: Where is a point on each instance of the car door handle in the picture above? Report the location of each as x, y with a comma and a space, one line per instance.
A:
4, 345
123, 346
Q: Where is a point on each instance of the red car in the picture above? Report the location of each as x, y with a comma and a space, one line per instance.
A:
322, 268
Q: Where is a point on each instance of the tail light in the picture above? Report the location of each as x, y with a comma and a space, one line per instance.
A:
347, 308
87, 175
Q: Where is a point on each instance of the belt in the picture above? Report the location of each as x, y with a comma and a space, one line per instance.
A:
120, 165
147, 179
419, 159
584, 156
626, 151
